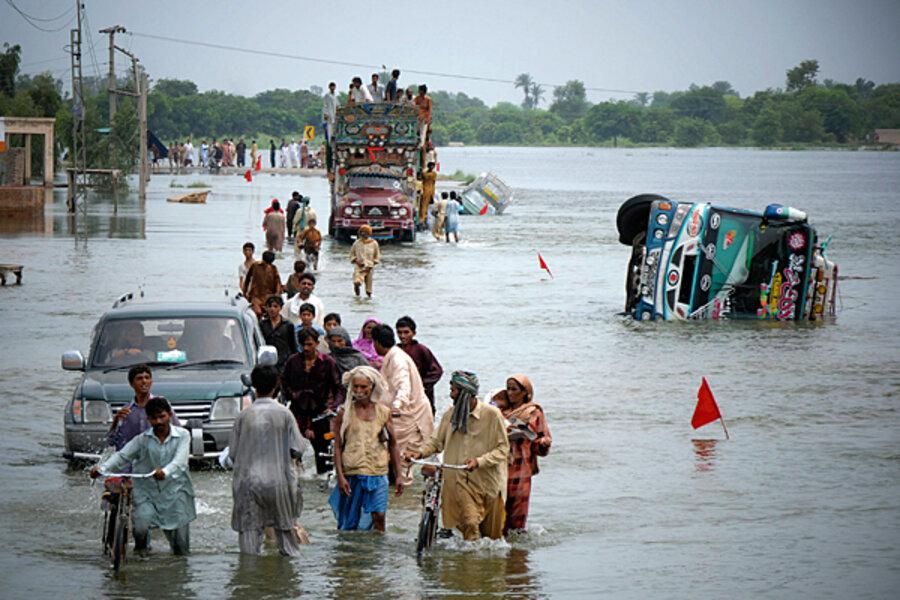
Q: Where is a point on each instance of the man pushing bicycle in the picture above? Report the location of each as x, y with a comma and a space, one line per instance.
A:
471, 433
165, 500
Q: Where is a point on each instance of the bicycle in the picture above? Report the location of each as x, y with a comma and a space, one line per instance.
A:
117, 513
431, 504
328, 455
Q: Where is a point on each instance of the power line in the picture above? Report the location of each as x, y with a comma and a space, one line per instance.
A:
28, 19
355, 64
39, 19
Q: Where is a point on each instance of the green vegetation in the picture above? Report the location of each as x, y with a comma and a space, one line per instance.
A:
805, 114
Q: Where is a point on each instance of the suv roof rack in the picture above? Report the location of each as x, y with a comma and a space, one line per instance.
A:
128, 297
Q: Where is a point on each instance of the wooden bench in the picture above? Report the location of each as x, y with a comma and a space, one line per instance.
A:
16, 270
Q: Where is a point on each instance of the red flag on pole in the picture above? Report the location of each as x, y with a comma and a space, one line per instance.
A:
543, 265
248, 175
483, 210
707, 410
258, 163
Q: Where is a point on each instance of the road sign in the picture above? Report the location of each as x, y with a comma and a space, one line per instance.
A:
309, 133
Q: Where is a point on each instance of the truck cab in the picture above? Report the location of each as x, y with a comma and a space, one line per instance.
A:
703, 261
376, 160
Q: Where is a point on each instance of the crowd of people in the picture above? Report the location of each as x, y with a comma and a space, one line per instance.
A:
374, 395
227, 153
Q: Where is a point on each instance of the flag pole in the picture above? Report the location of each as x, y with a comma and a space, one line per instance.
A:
722, 419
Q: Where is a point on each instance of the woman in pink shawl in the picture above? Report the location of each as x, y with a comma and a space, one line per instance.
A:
365, 344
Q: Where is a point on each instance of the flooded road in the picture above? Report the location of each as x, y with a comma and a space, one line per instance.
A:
631, 502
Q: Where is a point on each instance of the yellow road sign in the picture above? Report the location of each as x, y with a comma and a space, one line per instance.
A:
309, 132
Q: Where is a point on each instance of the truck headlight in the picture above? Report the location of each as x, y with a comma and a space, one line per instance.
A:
96, 411
402, 212
662, 218
357, 212
225, 408
348, 211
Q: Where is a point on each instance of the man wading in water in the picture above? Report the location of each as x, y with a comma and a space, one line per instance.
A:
364, 254
471, 433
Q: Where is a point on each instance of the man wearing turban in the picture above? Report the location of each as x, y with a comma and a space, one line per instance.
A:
471, 433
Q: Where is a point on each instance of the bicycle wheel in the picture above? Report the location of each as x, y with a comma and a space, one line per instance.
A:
426, 531
120, 542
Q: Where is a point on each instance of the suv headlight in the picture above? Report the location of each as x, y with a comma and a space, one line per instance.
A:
96, 411
228, 407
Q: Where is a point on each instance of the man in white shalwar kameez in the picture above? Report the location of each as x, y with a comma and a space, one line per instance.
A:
264, 442
410, 408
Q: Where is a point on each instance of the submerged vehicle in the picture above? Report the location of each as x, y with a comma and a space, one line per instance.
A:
198, 353
701, 261
375, 162
488, 194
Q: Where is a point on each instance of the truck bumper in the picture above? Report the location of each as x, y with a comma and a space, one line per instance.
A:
387, 229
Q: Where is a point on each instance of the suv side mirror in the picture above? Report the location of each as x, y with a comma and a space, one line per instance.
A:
72, 360
267, 356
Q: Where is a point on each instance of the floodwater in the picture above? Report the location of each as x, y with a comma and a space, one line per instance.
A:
801, 502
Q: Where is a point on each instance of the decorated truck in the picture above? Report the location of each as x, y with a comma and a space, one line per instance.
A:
375, 162
702, 261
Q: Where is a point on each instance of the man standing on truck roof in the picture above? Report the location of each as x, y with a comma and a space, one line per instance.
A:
359, 93
131, 420
392, 92
375, 90
424, 104
330, 105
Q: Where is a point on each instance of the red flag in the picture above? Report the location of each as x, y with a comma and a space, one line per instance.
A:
707, 410
248, 175
483, 210
543, 265
259, 162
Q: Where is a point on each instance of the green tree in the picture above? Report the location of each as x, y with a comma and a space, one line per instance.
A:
724, 89
613, 120
642, 98
840, 115
802, 76
766, 130
537, 94
692, 131
701, 103
175, 88
9, 68
570, 100
525, 81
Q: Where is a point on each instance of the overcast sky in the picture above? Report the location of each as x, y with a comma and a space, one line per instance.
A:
636, 45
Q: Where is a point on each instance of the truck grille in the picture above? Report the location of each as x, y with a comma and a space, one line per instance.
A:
377, 211
197, 409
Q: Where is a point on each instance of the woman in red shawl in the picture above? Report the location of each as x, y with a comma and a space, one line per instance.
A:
529, 437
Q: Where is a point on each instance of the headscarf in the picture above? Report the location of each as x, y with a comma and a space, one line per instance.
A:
379, 388
367, 346
524, 382
365, 229
524, 410
347, 357
272, 207
467, 384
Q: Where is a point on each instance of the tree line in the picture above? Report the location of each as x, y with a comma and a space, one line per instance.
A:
804, 112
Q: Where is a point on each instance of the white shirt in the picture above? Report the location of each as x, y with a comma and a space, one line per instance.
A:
329, 107
376, 92
291, 310
361, 95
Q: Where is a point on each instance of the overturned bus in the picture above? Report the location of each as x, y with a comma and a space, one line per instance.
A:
702, 261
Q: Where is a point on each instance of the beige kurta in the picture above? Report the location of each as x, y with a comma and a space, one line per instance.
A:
368, 253
407, 396
473, 501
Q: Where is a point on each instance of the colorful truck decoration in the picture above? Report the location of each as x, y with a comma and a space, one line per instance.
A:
374, 163
700, 261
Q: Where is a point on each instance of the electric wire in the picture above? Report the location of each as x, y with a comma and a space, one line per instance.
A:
356, 64
36, 26
39, 19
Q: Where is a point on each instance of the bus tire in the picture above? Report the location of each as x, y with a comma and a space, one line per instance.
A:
633, 215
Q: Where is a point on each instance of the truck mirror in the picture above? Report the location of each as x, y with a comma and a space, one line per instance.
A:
72, 361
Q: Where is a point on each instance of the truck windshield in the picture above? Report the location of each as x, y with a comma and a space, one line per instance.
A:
123, 342
747, 255
374, 181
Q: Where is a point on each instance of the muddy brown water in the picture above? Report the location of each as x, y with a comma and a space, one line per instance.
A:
631, 502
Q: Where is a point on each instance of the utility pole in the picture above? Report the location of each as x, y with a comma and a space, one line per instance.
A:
111, 83
79, 152
144, 171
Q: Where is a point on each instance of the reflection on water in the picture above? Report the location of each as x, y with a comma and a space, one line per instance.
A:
816, 407
705, 454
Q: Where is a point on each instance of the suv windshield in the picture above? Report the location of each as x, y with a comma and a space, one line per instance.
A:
380, 183
123, 342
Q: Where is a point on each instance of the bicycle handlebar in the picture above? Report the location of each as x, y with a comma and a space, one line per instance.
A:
324, 415
132, 475
438, 465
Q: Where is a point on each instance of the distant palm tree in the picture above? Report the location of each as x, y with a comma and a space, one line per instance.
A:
525, 81
537, 94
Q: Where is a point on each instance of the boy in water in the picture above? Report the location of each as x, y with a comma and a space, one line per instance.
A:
310, 239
